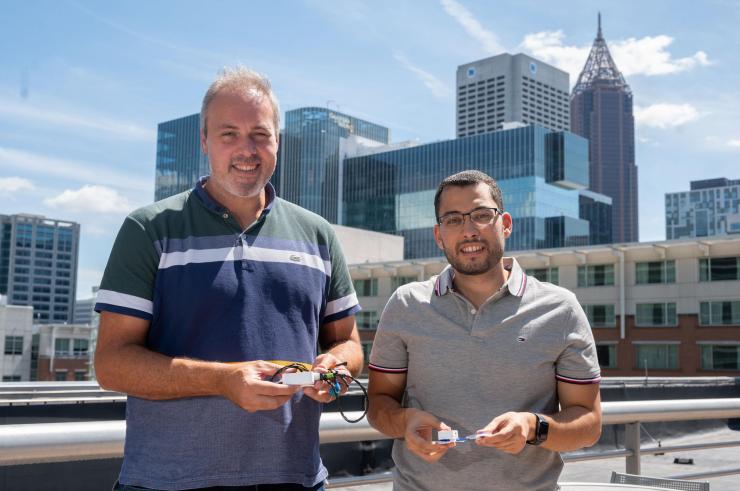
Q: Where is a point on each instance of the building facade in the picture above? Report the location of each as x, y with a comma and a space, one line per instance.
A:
16, 323
38, 265
510, 88
540, 173
64, 352
601, 111
711, 207
667, 308
311, 173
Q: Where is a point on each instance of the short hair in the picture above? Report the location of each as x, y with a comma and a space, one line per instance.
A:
469, 178
240, 79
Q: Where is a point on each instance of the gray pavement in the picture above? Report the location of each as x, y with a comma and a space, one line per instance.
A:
652, 465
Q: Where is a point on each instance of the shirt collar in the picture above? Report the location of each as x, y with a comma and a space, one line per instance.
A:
215, 206
516, 283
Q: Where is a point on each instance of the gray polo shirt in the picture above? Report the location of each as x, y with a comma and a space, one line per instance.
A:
466, 366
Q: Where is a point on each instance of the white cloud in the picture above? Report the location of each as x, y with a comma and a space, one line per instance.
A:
472, 26
78, 171
664, 115
54, 117
645, 56
435, 85
95, 199
13, 184
733, 143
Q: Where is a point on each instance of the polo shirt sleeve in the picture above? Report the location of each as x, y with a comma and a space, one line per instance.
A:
578, 363
128, 282
342, 300
389, 353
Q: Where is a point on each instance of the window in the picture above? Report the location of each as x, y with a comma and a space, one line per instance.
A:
11, 378
657, 356
367, 346
61, 346
720, 357
366, 288
719, 269
397, 281
60, 376
597, 275
13, 345
367, 319
607, 354
720, 313
655, 314
80, 375
80, 347
655, 272
600, 315
551, 275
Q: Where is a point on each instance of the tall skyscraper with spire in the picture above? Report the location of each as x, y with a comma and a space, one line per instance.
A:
601, 111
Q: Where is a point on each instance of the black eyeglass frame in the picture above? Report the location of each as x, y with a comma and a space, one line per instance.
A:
496, 213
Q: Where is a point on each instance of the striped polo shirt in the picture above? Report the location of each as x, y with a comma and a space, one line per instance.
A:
467, 365
215, 292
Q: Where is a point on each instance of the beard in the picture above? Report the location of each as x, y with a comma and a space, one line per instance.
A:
481, 266
242, 189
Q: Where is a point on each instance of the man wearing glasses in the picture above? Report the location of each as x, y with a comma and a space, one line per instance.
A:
506, 360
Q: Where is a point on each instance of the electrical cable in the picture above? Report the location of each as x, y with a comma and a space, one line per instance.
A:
335, 380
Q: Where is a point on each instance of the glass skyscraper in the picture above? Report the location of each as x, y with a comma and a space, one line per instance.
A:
540, 173
180, 161
601, 110
711, 207
38, 265
311, 171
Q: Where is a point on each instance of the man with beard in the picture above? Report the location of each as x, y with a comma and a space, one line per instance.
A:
506, 360
201, 291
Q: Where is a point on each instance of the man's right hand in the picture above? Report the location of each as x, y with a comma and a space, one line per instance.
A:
418, 435
247, 385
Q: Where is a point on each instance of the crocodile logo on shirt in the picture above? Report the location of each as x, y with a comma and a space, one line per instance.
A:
295, 258
521, 339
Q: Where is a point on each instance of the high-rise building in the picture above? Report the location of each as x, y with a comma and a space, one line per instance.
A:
601, 111
310, 156
38, 265
510, 89
711, 207
540, 172
180, 161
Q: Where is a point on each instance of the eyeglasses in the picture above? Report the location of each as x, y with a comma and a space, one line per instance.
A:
483, 215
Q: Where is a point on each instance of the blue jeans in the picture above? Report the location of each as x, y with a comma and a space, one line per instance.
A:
257, 487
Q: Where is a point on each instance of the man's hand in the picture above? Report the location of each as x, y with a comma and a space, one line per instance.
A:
418, 435
320, 391
508, 432
247, 385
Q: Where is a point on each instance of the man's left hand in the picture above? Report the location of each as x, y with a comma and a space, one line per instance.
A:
320, 391
507, 432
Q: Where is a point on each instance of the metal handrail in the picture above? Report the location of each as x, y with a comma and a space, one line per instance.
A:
59, 442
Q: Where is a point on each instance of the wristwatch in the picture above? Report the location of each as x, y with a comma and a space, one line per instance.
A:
541, 429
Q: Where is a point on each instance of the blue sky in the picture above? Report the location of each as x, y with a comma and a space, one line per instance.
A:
83, 84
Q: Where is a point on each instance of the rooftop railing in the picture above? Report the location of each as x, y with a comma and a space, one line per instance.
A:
61, 442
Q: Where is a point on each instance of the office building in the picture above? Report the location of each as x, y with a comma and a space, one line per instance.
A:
38, 265
510, 89
180, 161
540, 172
311, 173
64, 352
601, 111
711, 207
660, 309
16, 323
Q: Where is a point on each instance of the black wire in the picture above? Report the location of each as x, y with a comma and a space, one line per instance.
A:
341, 378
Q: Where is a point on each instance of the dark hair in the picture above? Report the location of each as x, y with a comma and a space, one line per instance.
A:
469, 178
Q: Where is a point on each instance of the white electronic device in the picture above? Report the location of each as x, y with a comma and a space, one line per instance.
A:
447, 436
300, 378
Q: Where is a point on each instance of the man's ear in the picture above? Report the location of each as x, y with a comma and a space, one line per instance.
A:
203, 144
507, 223
438, 237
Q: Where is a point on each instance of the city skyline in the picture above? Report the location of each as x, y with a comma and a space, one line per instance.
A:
81, 94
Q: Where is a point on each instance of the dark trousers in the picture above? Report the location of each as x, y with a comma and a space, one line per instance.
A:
257, 487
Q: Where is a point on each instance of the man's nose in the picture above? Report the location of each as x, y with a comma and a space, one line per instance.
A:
470, 229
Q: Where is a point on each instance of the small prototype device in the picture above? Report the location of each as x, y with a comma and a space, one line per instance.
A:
303, 379
448, 436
